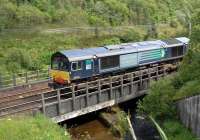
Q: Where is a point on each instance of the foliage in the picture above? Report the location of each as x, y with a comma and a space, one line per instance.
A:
196, 25
190, 88
93, 12
111, 41
131, 35
122, 123
158, 103
16, 59
29, 15
31, 128
176, 131
185, 83
161, 132
119, 126
22, 14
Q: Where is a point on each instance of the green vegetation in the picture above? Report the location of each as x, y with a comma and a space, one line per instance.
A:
15, 13
23, 22
160, 102
31, 128
116, 119
176, 131
161, 132
122, 123
24, 45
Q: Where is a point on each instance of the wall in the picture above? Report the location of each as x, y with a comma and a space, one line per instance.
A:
189, 113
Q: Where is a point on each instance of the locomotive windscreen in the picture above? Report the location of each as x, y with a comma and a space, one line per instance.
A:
59, 63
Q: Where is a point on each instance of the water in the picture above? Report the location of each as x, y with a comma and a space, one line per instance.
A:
92, 130
144, 129
88, 127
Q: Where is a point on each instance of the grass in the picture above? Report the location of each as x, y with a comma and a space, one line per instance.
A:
37, 48
31, 128
176, 131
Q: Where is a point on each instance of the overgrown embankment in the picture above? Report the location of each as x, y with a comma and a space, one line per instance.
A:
31, 128
28, 50
161, 101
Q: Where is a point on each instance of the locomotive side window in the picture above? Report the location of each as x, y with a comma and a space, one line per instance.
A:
109, 62
180, 50
76, 66
177, 51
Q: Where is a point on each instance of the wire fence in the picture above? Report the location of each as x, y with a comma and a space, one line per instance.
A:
12, 80
25, 78
86, 31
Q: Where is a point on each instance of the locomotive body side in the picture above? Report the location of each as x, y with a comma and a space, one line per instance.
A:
72, 65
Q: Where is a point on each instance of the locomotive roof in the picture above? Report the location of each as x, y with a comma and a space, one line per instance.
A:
109, 50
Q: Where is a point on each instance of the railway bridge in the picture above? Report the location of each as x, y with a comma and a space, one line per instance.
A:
76, 100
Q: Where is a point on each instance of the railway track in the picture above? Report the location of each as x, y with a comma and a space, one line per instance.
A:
30, 99
22, 99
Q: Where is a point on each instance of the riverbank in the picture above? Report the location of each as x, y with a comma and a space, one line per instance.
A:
160, 104
91, 126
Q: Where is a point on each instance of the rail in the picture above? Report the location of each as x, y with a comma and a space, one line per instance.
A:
83, 95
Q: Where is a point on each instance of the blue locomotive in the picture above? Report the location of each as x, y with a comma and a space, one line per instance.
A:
72, 65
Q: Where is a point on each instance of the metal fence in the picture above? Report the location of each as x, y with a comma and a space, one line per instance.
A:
25, 78
85, 97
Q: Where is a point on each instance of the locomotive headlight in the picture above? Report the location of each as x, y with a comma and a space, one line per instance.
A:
94, 57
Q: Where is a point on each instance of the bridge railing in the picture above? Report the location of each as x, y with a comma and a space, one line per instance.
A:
25, 78
55, 103
70, 102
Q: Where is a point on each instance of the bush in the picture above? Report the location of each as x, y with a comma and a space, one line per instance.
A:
60, 16
17, 58
130, 35
190, 65
176, 131
29, 15
159, 102
188, 89
7, 14
31, 128
110, 41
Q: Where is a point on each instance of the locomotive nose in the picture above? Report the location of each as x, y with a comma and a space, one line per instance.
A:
60, 77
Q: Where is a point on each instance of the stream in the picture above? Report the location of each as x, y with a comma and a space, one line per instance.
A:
89, 127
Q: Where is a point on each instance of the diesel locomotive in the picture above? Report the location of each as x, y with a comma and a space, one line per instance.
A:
69, 66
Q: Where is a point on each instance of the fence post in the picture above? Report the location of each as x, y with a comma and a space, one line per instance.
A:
49, 76
131, 83
96, 31
14, 80
157, 73
122, 85
37, 74
1, 81
73, 97
140, 87
43, 104
87, 95
99, 89
26, 77
111, 91
59, 102
149, 76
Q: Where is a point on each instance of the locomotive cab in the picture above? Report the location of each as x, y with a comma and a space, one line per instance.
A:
60, 69
68, 66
